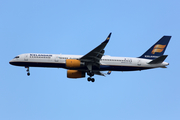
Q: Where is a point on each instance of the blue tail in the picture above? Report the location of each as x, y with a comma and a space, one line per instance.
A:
157, 49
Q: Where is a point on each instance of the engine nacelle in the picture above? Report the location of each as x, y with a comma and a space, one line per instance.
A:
72, 63
75, 74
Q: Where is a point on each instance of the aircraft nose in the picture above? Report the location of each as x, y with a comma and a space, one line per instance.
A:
11, 62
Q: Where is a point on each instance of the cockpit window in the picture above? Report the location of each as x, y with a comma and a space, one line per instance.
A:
17, 57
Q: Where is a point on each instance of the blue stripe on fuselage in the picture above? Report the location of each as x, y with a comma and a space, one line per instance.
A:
62, 65
38, 64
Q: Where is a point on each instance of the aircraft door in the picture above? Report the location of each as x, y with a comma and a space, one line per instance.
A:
26, 58
56, 59
139, 62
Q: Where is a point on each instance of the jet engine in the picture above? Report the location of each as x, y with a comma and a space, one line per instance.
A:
73, 63
75, 74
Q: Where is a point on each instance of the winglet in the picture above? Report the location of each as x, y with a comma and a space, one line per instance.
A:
107, 39
109, 72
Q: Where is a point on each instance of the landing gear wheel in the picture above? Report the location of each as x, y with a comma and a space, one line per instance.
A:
92, 79
28, 74
89, 79
90, 74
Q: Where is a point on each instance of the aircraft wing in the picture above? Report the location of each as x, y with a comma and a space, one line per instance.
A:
96, 54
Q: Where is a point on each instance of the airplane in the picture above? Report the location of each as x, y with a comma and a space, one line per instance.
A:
94, 62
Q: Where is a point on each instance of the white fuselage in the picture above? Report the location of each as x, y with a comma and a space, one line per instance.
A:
106, 62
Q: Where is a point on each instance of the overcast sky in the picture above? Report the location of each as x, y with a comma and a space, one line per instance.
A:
76, 27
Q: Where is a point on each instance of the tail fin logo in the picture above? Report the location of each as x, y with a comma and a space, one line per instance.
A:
109, 72
158, 48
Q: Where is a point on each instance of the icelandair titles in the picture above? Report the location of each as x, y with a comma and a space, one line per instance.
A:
150, 56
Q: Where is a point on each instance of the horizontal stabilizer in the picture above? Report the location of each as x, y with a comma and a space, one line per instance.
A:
102, 74
163, 67
158, 60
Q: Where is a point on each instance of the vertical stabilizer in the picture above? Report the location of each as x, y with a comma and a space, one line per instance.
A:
157, 49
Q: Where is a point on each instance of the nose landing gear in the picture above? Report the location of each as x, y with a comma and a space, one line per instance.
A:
28, 73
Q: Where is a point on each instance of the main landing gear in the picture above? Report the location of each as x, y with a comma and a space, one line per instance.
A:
90, 78
28, 73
